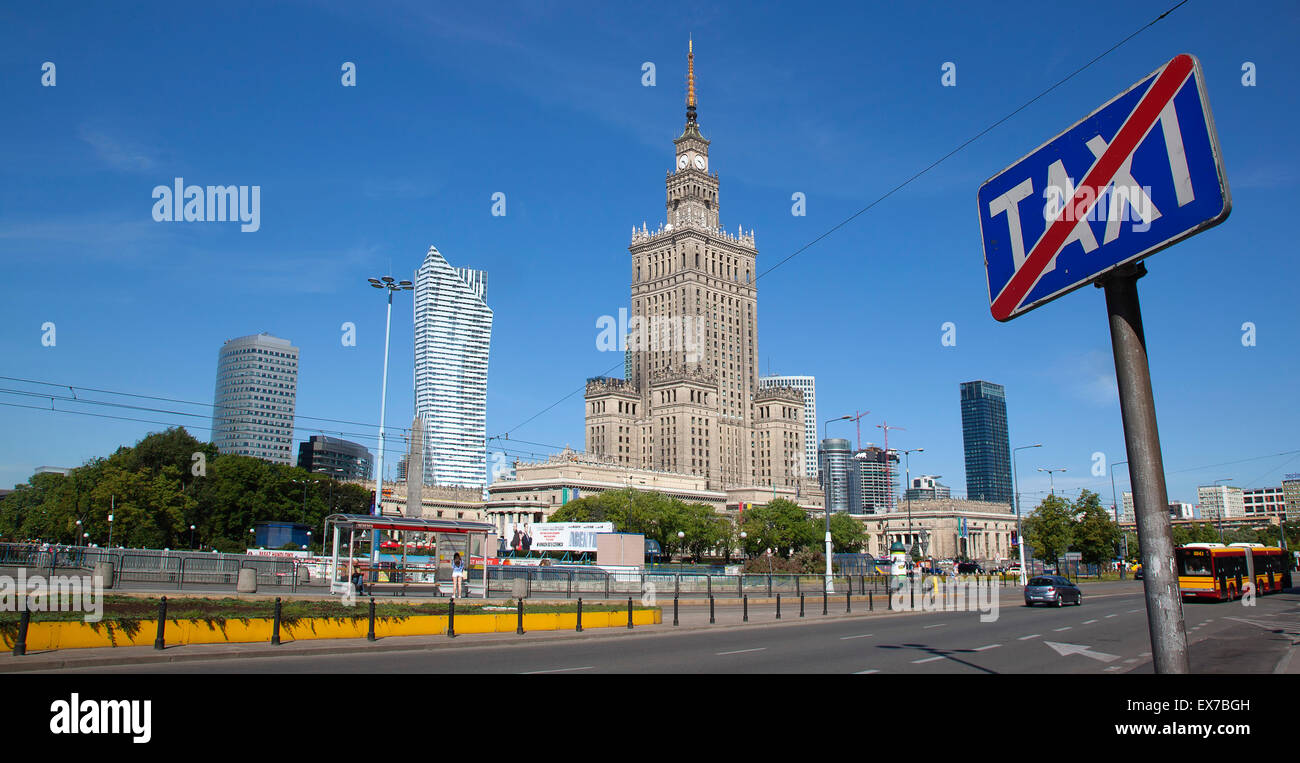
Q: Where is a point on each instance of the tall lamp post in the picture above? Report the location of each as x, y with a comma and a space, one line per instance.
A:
826, 509
1051, 477
389, 285
907, 458
191, 537
1123, 537
1222, 506
1020, 532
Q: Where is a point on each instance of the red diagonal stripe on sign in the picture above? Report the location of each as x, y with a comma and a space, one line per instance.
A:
1137, 126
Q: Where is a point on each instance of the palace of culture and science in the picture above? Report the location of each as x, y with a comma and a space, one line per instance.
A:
691, 403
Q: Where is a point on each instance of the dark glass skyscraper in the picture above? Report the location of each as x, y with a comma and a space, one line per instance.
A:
988, 450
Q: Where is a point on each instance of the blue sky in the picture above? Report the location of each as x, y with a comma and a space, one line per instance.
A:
543, 102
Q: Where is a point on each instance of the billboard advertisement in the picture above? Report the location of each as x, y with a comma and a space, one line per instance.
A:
568, 536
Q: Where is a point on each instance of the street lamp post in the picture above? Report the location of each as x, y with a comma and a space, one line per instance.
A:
826, 508
907, 457
1123, 537
1020, 532
191, 537
681, 550
1051, 476
744, 555
389, 285
1223, 506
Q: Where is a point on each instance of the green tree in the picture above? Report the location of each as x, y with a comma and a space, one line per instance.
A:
1095, 534
848, 535
1048, 528
779, 525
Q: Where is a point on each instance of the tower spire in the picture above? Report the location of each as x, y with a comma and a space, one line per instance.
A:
690, 81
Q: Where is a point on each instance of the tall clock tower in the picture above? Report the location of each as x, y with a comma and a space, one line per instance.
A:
688, 402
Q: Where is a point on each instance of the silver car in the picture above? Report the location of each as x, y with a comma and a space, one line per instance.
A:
1052, 589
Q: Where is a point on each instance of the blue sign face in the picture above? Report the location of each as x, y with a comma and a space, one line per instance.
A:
1133, 177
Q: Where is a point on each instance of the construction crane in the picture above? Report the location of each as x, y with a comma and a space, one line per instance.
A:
858, 421
888, 476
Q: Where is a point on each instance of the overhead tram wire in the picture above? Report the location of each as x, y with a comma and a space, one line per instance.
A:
972, 139
914, 177
172, 400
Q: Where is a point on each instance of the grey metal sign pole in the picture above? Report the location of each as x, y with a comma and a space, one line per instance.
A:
1146, 467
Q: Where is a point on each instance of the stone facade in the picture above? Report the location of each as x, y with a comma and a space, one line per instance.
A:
688, 404
936, 526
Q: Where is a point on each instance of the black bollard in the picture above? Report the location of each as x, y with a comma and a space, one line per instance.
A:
710, 609
370, 636
24, 619
871, 604
778, 606
746, 605
579, 614
629, 613
451, 617
825, 602
160, 641
848, 601
674, 610
519, 607
801, 605
275, 626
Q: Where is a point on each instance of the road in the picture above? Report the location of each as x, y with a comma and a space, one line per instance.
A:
1107, 634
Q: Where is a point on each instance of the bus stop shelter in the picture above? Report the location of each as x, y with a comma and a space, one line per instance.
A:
359, 523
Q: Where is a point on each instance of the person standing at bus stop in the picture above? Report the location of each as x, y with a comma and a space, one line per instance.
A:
457, 576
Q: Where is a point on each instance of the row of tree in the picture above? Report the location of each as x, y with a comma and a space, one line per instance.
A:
161, 486
1084, 525
779, 525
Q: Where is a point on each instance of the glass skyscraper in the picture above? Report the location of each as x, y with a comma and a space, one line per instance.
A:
988, 450
255, 396
453, 330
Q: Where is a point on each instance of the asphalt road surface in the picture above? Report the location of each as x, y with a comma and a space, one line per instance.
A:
1106, 634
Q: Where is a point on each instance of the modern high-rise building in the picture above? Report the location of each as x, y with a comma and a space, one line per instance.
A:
1263, 502
808, 386
689, 402
835, 458
1220, 502
255, 397
453, 332
927, 488
1291, 496
988, 450
871, 481
340, 459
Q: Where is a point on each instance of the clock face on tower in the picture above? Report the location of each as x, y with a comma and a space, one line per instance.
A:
699, 162
682, 161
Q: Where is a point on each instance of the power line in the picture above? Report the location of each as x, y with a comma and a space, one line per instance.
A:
970, 140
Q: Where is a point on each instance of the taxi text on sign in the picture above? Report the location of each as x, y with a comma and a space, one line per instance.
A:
1138, 174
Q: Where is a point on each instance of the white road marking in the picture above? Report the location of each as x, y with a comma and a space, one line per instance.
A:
1110, 615
865, 672
1134, 610
742, 651
846, 638
1066, 650
1089, 622
1066, 628
984, 648
1026, 638
1131, 659
1144, 654
940, 625
557, 670
927, 659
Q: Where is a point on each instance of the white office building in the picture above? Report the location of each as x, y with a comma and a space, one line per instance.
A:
1263, 502
1220, 502
453, 331
808, 386
255, 397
